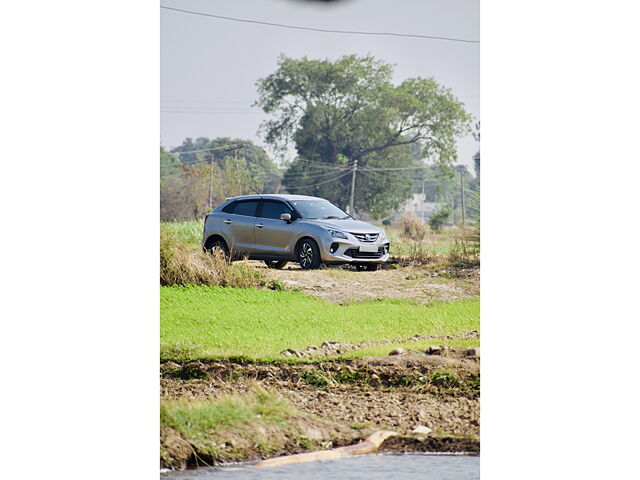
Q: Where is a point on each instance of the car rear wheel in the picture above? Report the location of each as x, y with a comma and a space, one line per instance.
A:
309, 254
277, 264
218, 246
367, 267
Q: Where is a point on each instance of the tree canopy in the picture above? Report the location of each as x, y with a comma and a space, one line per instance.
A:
193, 174
250, 162
337, 113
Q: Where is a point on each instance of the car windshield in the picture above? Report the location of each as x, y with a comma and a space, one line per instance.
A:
318, 209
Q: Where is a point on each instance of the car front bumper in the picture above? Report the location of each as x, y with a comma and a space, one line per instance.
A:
351, 250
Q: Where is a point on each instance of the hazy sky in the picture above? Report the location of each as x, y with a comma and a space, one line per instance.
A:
209, 67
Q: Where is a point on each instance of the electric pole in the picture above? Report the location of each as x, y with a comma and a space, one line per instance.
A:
235, 159
211, 184
462, 195
424, 200
226, 148
353, 186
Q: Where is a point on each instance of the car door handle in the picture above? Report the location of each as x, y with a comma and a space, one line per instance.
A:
227, 221
259, 225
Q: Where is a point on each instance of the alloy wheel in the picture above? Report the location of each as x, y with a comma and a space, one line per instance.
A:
306, 254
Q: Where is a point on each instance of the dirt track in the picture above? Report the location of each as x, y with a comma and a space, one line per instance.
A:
344, 284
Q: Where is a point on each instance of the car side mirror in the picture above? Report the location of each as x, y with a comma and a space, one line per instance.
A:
286, 217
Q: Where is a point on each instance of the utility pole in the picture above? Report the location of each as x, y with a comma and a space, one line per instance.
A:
424, 200
353, 186
226, 148
211, 184
462, 195
235, 159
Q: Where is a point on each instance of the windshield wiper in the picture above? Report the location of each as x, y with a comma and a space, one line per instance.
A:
330, 217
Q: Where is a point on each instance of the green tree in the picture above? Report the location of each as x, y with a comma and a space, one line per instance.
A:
193, 176
169, 163
249, 168
337, 113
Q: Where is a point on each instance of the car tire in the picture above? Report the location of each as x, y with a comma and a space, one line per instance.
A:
309, 254
219, 246
367, 267
277, 264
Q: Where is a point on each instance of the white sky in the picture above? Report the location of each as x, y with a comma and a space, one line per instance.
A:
209, 67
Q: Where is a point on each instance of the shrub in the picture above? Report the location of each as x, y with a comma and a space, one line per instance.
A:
436, 222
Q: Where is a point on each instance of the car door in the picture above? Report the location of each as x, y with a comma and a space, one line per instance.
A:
273, 236
240, 222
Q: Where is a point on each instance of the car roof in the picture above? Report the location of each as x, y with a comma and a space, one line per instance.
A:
275, 197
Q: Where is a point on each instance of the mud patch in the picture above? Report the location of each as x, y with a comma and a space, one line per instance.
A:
431, 444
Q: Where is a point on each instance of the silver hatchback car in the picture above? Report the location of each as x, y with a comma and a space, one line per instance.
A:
282, 228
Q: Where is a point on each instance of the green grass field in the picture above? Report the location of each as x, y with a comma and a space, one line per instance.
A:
215, 322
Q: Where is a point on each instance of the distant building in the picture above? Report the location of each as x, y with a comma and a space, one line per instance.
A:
417, 207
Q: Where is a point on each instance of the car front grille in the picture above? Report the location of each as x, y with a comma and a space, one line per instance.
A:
366, 237
355, 253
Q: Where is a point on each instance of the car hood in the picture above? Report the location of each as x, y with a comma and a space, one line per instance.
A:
348, 225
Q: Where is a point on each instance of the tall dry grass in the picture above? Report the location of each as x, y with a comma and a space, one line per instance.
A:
416, 245
412, 228
459, 254
181, 265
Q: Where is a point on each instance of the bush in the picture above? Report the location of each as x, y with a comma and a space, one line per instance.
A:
181, 265
413, 228
436, 222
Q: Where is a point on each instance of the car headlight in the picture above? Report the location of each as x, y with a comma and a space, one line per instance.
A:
337, 233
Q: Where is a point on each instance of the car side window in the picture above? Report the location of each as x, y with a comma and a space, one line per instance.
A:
229, 208
247, 209
273, 209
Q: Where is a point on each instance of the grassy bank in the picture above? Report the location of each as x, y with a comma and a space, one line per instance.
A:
233, 428
213, 322
259, 424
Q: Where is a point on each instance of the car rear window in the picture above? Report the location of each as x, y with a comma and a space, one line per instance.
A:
246, 208
273, 209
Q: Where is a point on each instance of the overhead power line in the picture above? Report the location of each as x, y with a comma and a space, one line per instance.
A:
322, 183
222, 147
386, 169
324, 30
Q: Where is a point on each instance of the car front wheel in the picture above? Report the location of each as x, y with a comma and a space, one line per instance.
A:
368, 267
277, 264
309, 254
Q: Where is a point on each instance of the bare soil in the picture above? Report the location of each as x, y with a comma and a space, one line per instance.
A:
349, 400
344, 284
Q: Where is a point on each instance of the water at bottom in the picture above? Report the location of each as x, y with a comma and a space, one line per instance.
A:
367, 467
